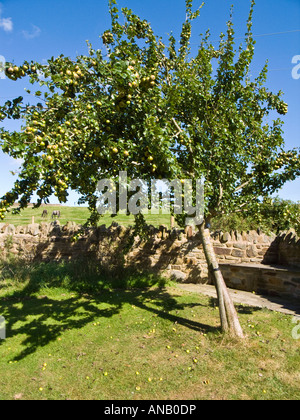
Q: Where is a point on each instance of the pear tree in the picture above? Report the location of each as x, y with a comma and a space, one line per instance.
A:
158, 111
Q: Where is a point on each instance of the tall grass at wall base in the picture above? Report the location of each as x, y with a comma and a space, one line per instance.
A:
85, 276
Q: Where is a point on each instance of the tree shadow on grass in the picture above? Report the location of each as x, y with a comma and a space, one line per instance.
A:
166, 302
240, 308
40, 320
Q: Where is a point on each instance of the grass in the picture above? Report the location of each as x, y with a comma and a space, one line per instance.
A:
88, 334
78, 215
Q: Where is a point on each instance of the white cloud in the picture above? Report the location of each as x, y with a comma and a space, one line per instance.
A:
5, 23
33, 34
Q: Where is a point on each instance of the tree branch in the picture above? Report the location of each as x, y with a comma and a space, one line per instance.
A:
240, 187
177, 126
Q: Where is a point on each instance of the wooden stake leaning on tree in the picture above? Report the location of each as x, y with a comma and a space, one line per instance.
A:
228, 315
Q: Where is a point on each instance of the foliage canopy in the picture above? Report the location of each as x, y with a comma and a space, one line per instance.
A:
154, 110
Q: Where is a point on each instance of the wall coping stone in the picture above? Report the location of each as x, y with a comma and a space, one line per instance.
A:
258, 266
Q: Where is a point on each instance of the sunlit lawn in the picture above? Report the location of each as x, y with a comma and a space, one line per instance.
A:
87, 339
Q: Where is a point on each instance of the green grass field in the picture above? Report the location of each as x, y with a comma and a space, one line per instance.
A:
77, 334
78, 215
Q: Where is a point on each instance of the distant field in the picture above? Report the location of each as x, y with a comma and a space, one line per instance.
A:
78, 215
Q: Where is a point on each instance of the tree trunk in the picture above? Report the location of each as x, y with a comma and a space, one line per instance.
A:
228, 315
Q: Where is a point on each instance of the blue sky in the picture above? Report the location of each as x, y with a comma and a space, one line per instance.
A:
38, 30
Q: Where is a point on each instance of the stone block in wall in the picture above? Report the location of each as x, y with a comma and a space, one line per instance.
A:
189, 232
226, 237
70, 228
176, 267
44, 229
232, 259
9, 230
245, 260
240, 245
218, 244
190, 261
175, 259
289, 250
55, 228
273, 281
163, 229
262, 252
252, 236
232, 235
244, 236
101, 229
265, 239
216, 235
255, 260
222, 251
159, 235
238, 236
235, 281
33, 229
238, 253
177, 275
21, 230
251, 251
123, 231
290, 236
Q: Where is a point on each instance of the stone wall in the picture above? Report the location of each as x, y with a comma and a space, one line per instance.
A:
177, 253
271, 280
